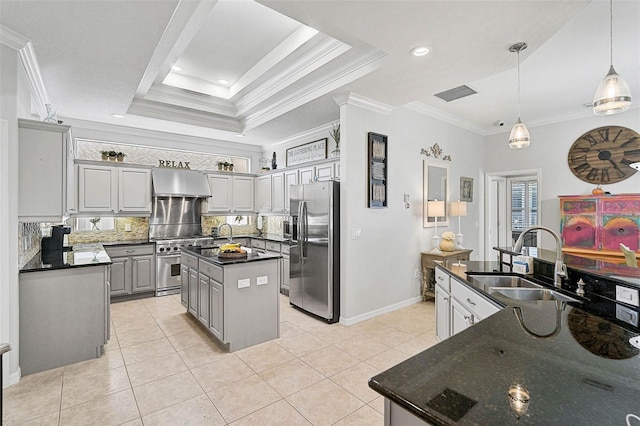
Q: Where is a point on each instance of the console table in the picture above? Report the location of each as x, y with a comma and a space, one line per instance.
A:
428, 267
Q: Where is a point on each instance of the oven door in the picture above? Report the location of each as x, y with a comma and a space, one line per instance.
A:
168, 274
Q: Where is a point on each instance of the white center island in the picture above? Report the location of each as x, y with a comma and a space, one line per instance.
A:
236, 300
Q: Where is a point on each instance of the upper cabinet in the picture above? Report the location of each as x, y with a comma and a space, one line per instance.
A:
45, 180
114, 190
230, 193
263, 194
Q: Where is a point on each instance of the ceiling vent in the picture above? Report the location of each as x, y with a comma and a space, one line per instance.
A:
455, 93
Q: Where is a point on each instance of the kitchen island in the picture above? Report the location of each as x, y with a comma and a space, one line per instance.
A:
64, 307
577, 367
236, 300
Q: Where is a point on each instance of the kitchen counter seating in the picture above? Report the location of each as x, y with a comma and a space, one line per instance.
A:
586, 373
236, 300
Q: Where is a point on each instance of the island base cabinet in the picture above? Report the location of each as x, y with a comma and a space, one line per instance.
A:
461, 318
203, 299
443, 330
216, 310
395, 415
64, 317
184, 286
193, 285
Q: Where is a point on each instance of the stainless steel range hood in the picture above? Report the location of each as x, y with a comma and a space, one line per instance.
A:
179, 183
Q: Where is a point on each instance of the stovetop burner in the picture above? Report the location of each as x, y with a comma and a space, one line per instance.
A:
174, 244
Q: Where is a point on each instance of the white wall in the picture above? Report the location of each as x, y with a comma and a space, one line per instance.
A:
9, 100
548, 151
378, 269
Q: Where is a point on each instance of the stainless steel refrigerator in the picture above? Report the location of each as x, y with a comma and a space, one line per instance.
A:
315, 255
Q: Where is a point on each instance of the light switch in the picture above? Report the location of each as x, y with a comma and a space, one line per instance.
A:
263, 280
627, 315
244, 283
127, 227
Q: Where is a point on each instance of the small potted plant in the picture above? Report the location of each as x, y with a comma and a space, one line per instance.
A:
335, 135
112, 155
105, 155
220, 165
226, 165
120, 156
230, 167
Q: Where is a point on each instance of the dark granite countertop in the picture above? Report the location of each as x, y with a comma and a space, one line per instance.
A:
607, 270
270, 237
210, 254
127, 243
587, 373
71, 257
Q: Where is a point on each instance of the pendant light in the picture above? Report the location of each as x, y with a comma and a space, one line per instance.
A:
519, 136
613, 95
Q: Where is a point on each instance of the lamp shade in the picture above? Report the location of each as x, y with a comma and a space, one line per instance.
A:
458, 208
519, 136
435, 208
613, 95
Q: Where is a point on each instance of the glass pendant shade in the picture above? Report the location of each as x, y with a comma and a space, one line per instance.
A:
613, 95
519, 136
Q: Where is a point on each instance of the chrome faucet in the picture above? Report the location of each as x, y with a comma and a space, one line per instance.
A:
560, 270
230, 231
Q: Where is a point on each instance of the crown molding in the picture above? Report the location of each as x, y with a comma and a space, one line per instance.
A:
31, 67
168, 112
324, 52
432, 112
187, 99
12, 39
363, 102
363, 65
306, 135
135, 133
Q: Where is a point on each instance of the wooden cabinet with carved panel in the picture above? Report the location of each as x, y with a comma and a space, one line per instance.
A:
428, 265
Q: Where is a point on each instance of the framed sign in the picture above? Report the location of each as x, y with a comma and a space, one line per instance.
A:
312, 151
466, 189
377, 170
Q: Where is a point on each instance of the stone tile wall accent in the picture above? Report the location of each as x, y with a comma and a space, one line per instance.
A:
90, 150
271, 225
29, 239
139, 231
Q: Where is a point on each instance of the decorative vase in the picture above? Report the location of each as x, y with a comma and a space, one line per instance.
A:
105, 157
335, 153
120, 158
447, 245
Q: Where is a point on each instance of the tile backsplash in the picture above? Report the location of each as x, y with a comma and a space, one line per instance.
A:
139, 231
29, 238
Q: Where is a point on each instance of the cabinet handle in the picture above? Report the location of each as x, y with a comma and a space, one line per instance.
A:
439, 278
446, 298
131, 251
471, 302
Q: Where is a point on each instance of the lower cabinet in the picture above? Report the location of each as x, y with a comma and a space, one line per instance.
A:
193, 292
203, 299
184, 287
216, 309
133, 269
458, 307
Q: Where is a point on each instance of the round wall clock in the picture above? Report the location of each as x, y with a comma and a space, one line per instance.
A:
602, 155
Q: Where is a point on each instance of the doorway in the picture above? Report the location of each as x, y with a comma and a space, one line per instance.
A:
511, 206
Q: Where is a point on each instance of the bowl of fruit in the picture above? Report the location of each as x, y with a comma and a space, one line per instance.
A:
231, 251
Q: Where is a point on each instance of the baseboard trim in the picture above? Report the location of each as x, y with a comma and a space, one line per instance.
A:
14, 377
376, 312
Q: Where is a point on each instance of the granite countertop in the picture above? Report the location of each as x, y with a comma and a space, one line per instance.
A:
210, 254
614, 271
587, 373
270, 237
70, 257
126, 243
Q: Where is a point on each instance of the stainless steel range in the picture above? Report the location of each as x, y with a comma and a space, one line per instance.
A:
168, 261
175, 222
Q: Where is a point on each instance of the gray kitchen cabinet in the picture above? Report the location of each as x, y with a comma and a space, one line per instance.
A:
64, 316
277, 193
263, 194
216, 305
203, 299
46, 184
259, 245
230, 193
113, 189
290, 178
119, 272
133, 269
286, 268
193, 292
307, 174
184, 287
325, 172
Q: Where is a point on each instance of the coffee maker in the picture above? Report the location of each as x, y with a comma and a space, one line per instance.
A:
56, 240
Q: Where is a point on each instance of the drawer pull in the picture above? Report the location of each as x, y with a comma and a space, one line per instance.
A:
471, 302
131, 251
440, 278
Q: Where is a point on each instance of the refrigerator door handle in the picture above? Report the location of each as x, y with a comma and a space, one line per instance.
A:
300, 229
303, 236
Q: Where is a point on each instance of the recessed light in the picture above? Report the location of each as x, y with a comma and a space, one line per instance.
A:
420, 51
223, 81
176, 68
118, 116
240, 135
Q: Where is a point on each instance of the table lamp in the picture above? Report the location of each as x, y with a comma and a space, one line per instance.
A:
459, 208
435, 209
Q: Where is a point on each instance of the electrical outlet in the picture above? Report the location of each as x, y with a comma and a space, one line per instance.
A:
627, 295
244, 283
416, 273
356, 233
262, 280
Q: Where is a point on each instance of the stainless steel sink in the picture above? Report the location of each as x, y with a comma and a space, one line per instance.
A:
532, 294
491, 281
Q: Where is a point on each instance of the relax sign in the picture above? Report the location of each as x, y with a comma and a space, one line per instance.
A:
173, 165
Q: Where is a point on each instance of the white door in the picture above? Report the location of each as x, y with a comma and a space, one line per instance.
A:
98, 189
263, 194
277, 192
461, 318
290, 178
496, 215
220, 186
442, 314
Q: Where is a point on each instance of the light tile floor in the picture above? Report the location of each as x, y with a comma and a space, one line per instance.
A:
160, 368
